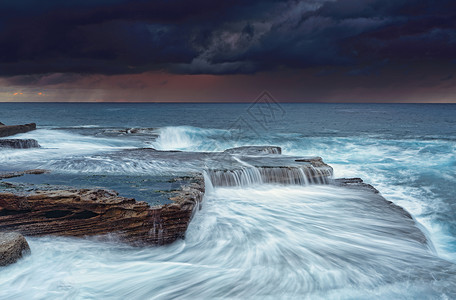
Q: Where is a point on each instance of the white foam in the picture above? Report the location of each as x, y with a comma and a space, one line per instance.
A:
394, 167
58, 145
268, 242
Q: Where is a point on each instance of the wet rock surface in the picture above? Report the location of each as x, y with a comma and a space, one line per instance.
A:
84, 212
21, 173
233, 166
356, 183
62, 210
380, 203
12, 247
19, 143
15, 129
255, 150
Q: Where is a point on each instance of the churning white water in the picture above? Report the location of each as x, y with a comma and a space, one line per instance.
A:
187, 138
57, 146
259, 242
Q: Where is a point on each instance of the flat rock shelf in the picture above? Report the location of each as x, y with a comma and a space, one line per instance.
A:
8, 130
99, 212
81, 212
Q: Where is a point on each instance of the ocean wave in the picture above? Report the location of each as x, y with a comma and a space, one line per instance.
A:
189, 138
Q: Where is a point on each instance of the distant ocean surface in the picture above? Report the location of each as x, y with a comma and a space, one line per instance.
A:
406, 151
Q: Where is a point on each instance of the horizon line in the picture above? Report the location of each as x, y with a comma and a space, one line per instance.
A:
223, 102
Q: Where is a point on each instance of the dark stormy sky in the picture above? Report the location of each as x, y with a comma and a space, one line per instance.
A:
206, 50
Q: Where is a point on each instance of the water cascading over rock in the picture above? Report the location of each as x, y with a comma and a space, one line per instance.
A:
19, 143
308, 171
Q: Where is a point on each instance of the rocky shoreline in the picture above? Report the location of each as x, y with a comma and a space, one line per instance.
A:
106, 215
98, 212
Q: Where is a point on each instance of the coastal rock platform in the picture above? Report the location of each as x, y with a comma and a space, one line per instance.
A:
8, 130
85, 212
82, 212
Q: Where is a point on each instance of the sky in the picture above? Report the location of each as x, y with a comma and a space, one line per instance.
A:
220, 51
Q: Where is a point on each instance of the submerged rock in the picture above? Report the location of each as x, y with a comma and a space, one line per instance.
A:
380, 203
15, 129
83, 212
255, 150
20, 173
19, 143
12, 247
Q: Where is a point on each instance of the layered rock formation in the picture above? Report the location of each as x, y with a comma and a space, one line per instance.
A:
255, 150
20, 173
82, 212
85, 212
279, 169
19, 143
15, 129
12, 247
98, 212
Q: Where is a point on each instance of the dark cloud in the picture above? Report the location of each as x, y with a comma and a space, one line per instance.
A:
221, 37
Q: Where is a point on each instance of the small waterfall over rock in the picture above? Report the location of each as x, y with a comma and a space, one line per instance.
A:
19, 143
296, 175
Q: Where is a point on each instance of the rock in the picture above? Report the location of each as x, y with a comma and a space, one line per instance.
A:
83, 212
19, 143
273, 169
12, 247
315, 161
255, 150
15, 129
359, 184
300, 175
17, 174
356, 183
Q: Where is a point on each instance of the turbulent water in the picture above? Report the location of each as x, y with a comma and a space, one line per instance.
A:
258, 239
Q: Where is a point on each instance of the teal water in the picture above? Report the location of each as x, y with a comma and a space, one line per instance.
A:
407, 151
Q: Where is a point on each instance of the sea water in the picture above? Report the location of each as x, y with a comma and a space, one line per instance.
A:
260, 240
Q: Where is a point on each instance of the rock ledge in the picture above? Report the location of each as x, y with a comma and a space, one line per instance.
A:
83, 212
15, 129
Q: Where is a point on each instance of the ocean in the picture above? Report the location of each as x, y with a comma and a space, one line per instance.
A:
253, 241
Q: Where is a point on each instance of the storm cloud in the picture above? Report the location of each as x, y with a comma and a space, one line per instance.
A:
222, 37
